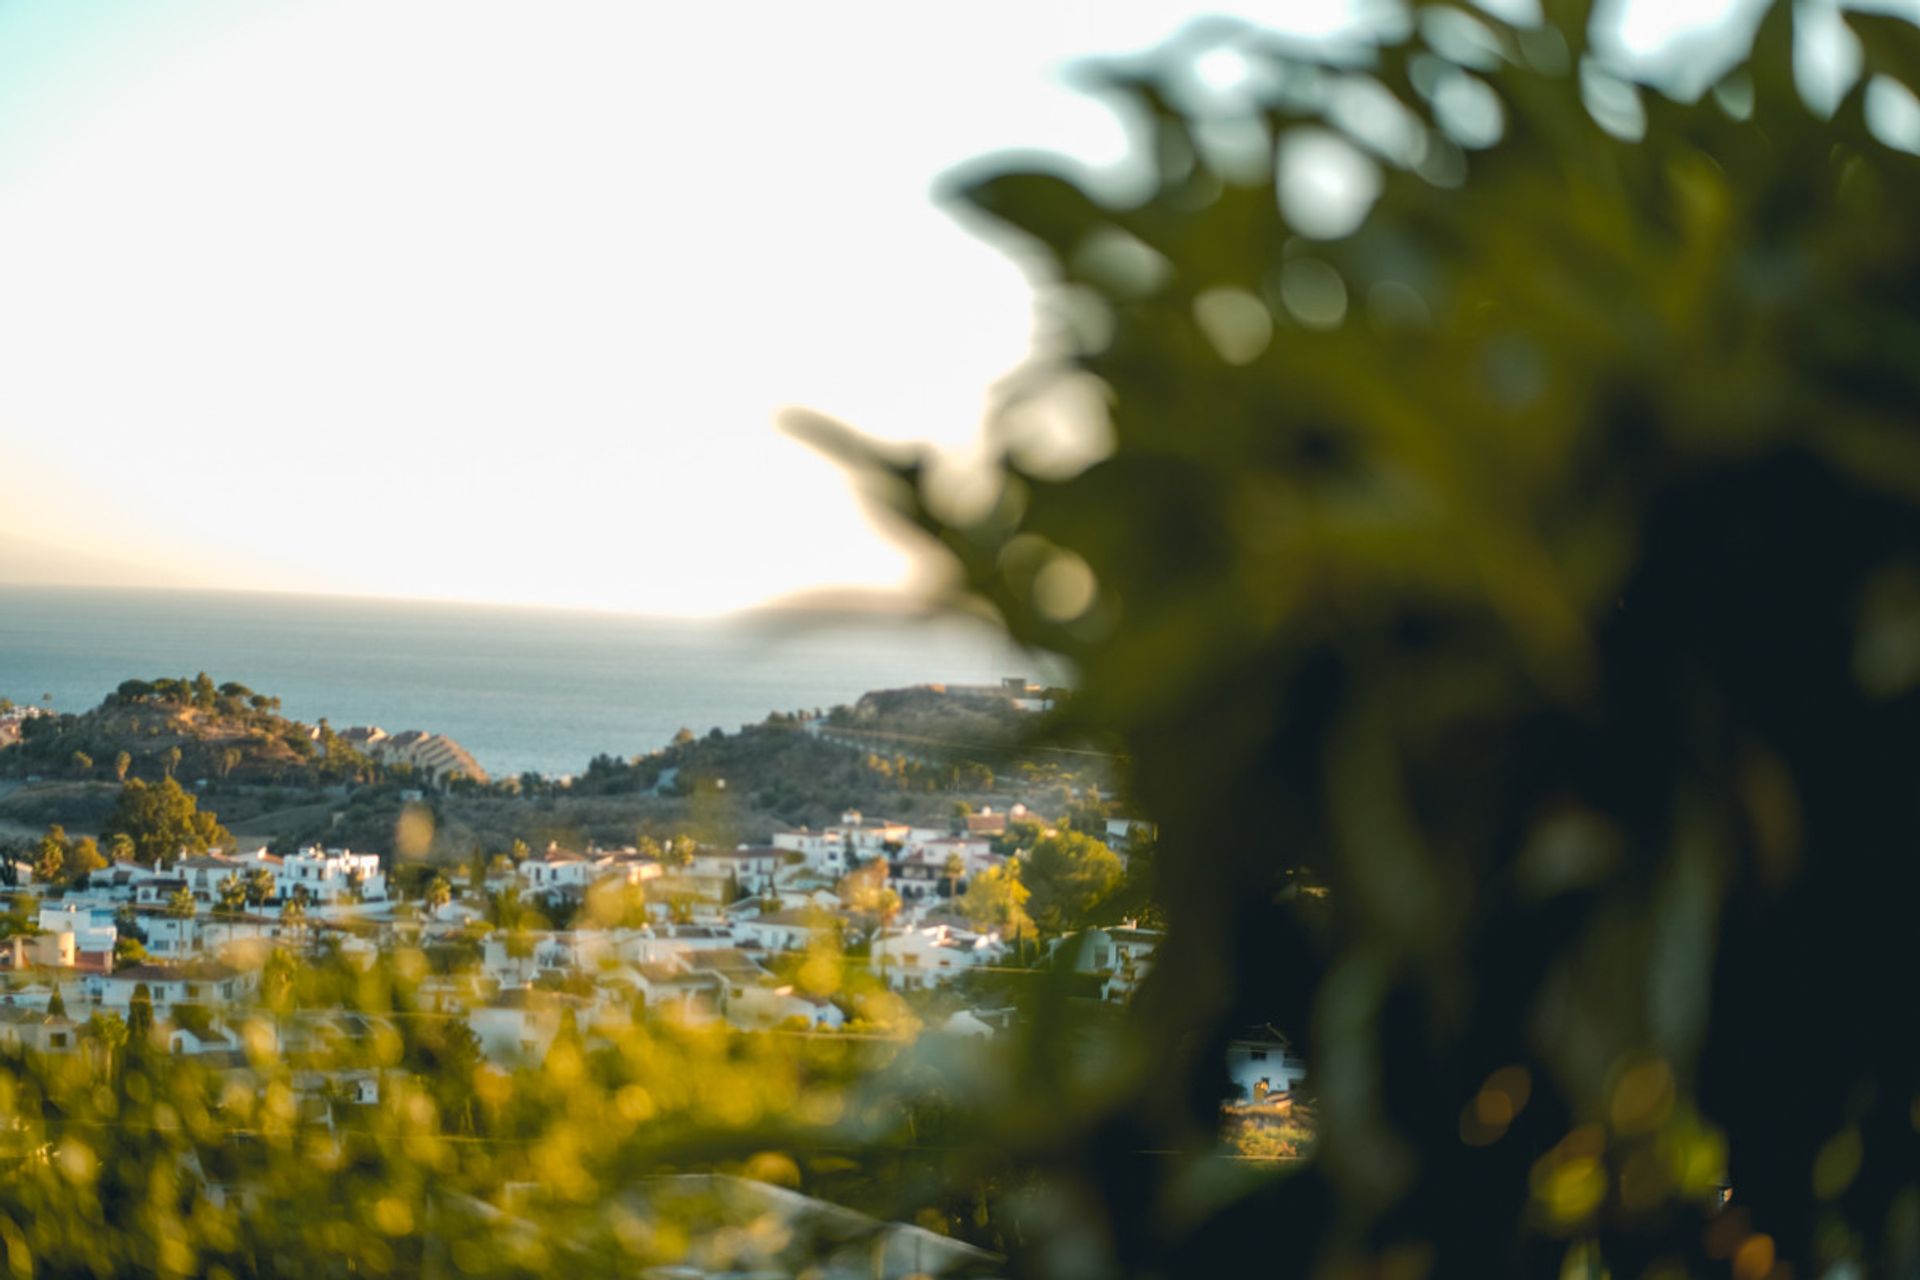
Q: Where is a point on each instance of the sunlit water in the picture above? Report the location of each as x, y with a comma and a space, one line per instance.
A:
520, 688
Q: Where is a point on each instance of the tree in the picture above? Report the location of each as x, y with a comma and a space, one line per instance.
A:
996, 900
506, 909
181, 903
22, 918
1068, 874
954, 867
293, 913
140, 1016
162, 820
122, 761
83, 859
233, 894
170, 760
438, 893
56, 1005
128, 952
678, 851
81, 762
1490, 588
120, 847
50, 855
108, 1030
260, 885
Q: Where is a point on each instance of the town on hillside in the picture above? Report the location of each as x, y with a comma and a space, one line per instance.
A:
164, 919
382, 960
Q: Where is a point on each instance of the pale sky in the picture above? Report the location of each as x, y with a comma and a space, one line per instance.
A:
499, 301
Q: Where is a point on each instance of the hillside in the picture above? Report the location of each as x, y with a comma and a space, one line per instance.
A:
187, 729
913, 754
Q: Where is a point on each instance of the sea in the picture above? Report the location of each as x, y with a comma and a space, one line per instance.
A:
521, 688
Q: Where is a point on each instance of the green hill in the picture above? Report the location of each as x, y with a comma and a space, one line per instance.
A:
184, 728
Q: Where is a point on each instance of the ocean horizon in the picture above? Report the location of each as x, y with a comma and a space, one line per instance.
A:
522, 688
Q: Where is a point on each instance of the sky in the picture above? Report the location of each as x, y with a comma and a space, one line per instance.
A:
486, 301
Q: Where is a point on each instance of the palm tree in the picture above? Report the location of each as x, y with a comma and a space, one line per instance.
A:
259, 885
955, 868
109, 1030
121, 763
293, 914
505, 909
171, 759
439, 893
233, 894
140, 1015
51, 857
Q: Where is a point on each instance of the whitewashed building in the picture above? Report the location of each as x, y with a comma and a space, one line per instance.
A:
93, 930
1262, 1063
332, 876
919, 959
753, 867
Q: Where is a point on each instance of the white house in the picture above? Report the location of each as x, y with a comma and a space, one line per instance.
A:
767, 1004
219, 932
752, 867
215, 1039
93, 930
975, 852
735, 968
1121, 957
118, 883
871, 837
661, 943
559, 868
171, 937
1261, 1064
332, 876
519, 1024
157, 890
822, 851
673, 990
36, 1031
573, 950
203, 875
200, 983
52, 950
919, 959
787, 930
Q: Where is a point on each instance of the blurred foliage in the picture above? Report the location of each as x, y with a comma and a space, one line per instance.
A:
359, 1129
1509, 606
